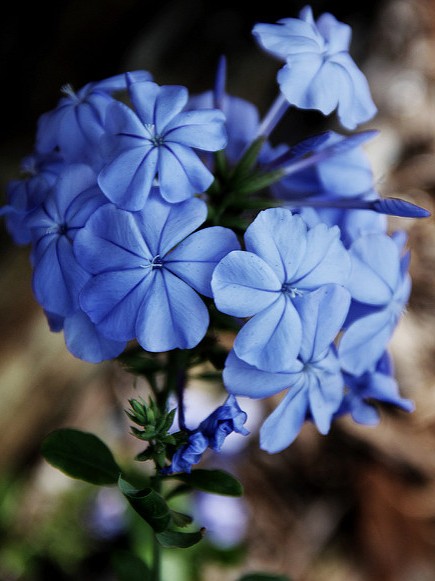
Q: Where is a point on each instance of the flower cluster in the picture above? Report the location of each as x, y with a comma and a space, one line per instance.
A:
138, 205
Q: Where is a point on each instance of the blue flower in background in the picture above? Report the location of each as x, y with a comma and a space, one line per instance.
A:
210, 433
76, 125
314, 380
25, 195
158, 138
57, 276
380, 286
148, 269
283, 263
378, 385
319, 72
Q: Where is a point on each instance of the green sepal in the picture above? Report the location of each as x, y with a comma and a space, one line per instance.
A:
81, 455
247, 161
213, 481
180, 519
264, 577
175, 539
149, 504
129, 567
257, 182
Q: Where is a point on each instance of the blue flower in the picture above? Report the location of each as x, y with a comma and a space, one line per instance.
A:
223, 421
210, 433
188, 454
158, 138
25, 195
378, 385
380, 286
319, 72
76, 125
147, 269
57, 276
314, 381
283, 263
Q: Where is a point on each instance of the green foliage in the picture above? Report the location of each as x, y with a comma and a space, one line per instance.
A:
176, 539
213, 481
149, 504
81, 455
129, 567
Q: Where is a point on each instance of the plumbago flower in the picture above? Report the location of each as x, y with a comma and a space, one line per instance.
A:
319, 72
147, 268
313, 379
158, 138
76, 125
380, 286
57, 276
283, 263
211, 433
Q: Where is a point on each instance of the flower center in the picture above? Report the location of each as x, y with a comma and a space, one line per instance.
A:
155, 139
292, 291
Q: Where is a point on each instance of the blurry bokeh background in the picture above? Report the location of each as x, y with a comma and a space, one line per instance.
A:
358, 505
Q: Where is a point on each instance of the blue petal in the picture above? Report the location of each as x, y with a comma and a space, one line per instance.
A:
322, 315
295, 79
326, 391
271, 340
128, 178
181, 173
365, 340
284, 424
143, 97
325, 261
75, 179
195, 259
355, 105
164, 225
172, 315
289, 36
112, 301
279, 238
240, 378
243, 284
85, 342
337, 34
170, 102
204, 129
375, 269
58, 278
111, 240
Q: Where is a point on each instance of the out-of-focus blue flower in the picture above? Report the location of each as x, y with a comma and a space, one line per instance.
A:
342, 174
314, 380
283, 263
378, 385
158, 138
147, 269
210, 433
223, 421
76, 125
27, 194
57, 276
319, 72
380, 286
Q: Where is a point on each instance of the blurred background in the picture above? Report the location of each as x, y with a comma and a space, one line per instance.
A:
358, 505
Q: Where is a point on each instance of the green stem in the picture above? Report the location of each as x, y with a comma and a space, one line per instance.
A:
157, 559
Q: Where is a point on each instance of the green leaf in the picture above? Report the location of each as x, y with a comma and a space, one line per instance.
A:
80, 455
264, 577
180, 519
148, 503
248, 160
129, 567
176, 539
214, 481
